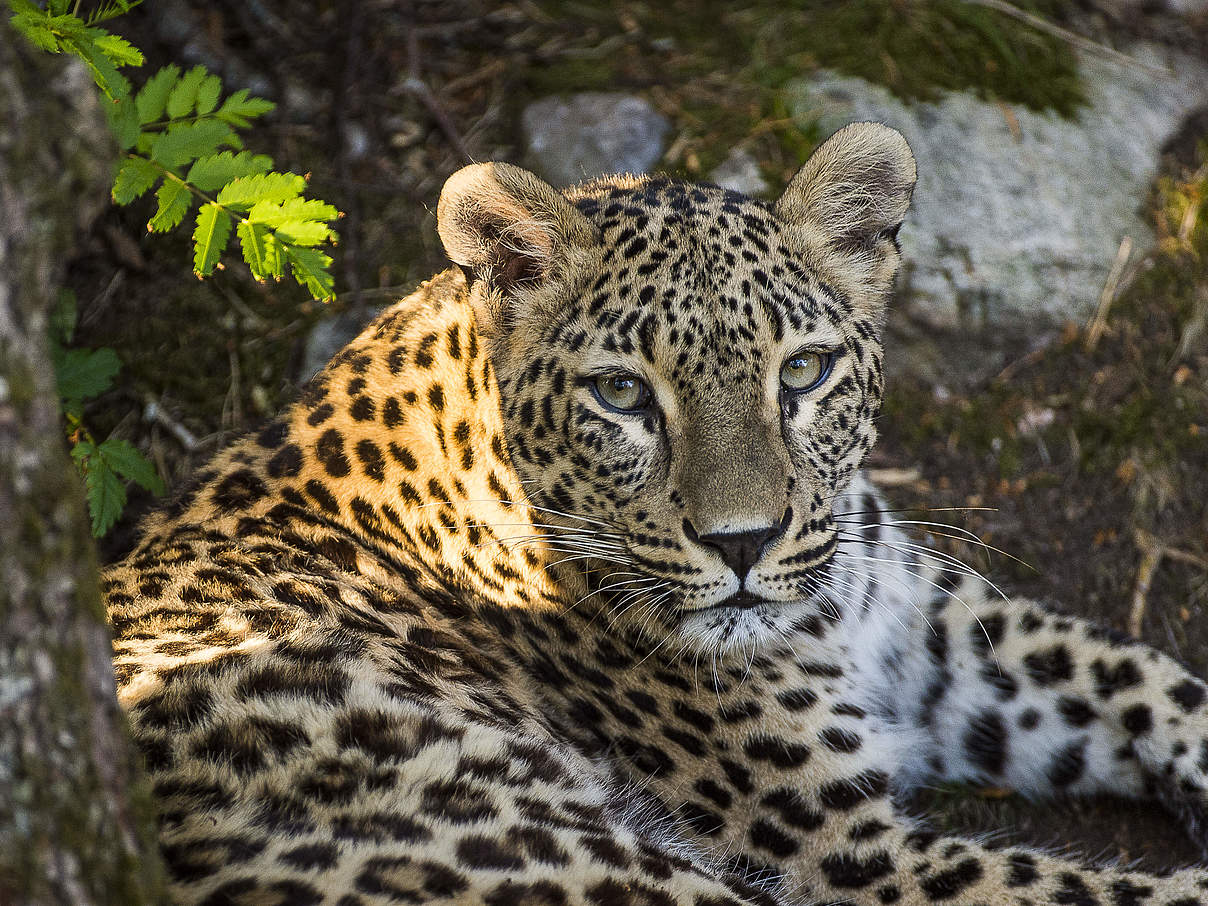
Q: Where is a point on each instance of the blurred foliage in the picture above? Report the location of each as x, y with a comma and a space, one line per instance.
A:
81, 375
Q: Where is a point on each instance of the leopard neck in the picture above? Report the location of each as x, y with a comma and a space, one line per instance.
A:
399, 442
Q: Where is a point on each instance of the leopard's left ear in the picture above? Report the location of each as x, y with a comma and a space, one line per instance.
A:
849, 200
511, 232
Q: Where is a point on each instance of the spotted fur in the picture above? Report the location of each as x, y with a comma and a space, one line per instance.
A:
454, 628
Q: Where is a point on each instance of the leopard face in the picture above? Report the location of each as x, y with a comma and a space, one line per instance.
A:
689, 377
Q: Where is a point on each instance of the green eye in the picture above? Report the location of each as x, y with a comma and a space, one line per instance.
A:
805, 370
622, 392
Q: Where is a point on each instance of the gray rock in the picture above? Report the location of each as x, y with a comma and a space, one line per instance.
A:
328, 337
1018, 215
586, 135
740, 172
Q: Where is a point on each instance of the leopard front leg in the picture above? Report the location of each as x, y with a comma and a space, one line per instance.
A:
1013, 695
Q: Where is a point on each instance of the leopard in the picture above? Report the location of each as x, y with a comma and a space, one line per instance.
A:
562, 583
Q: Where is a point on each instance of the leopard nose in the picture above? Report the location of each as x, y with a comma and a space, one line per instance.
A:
740, 550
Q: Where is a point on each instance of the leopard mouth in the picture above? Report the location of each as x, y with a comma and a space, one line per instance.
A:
740, 600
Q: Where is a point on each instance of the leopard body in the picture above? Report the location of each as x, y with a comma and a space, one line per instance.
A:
456, 628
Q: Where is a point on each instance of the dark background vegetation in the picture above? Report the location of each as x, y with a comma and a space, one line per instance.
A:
1104, 506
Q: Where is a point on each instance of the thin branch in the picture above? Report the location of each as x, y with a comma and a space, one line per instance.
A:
417, 88
1098, 323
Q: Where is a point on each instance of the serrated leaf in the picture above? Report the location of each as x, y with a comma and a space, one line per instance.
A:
152, 98
251, 241
69, 25
81, 451
112, 83
266, 187
207, 94
33, 26
311, 269
123, 122
305, 232
124, 459
119, 51
274, 213
216, 170
84, 373
183, 96
262, 251
183, 142
106, 496
26, 8
135, 177
239, 109
274, 257
174, 199
210, 237
57, 7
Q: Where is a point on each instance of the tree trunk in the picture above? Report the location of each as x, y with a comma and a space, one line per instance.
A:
75, 816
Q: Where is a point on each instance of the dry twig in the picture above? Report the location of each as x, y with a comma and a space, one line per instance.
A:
1098, 323
1152, 552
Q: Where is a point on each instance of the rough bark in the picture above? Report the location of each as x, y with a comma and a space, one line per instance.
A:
75, 818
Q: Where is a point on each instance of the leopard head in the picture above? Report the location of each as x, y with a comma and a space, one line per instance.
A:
689, 377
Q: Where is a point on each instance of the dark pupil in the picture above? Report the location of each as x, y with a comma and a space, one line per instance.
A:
797, 364
620, 384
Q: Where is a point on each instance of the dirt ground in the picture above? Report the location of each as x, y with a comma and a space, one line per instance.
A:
1084, 458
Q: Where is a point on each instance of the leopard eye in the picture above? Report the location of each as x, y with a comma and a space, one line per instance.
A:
622, 392
805, 370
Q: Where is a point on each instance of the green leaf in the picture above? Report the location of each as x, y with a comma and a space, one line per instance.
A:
153, 96
271, 187
207, 94
119, 51
310, 267
275, 213
239, 109
81, 452
210, 237
33, 26
183, 142
70, 26
174, 200
57, 7
135, 177
263, 252
183, 96
124, 459
251, 241
26, 8
305, 232
112, 83
106, 496
215, 171
84, 373
123, 122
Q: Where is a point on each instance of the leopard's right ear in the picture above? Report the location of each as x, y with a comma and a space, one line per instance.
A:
511, 232
847, 202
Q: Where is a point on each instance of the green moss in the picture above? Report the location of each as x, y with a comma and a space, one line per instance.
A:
917, 49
